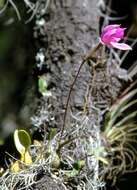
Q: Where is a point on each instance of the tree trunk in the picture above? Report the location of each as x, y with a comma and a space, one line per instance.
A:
70, 31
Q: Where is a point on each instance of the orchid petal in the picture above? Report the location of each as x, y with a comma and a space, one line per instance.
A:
107, 37
110, 27
120, 32
121, 46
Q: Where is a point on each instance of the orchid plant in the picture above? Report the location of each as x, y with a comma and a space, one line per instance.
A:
110, 36
115, 131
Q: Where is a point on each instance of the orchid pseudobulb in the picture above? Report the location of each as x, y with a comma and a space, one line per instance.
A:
111, 35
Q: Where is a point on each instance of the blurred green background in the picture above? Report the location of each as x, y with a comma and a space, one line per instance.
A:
16, 64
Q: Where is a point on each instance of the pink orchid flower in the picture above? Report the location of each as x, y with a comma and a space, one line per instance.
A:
111, 35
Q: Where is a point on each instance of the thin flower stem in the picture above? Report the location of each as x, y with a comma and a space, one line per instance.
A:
89, 56
68, 98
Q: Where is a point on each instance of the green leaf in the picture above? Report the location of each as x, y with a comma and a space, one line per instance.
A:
72, 173
79, 164
22, 141
130, 104
52, 134
15, 167
76, 168
127, 119
117, 109
103, 160
26, 158
42, 85
55, 163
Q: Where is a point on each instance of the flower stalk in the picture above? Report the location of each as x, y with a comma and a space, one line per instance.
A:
90, 55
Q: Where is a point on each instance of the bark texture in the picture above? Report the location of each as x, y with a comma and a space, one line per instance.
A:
71, 30
69, 33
